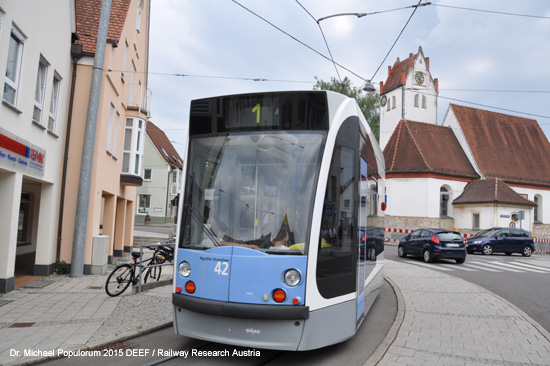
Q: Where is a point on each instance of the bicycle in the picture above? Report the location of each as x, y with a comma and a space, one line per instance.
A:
125, 274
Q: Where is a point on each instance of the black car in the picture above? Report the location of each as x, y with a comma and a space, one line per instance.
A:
504, 240
374, 238
432, 244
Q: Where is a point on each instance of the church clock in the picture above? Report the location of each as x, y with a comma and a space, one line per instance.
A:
383, 100
419, 77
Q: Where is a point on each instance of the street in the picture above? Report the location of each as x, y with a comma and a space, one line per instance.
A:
523, 281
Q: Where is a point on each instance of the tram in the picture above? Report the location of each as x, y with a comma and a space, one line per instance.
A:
278, 190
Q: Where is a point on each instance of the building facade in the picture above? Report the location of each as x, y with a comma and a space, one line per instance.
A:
35, 61
120, 132
162, 167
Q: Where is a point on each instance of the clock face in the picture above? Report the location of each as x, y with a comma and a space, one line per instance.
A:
419, 77
383, 100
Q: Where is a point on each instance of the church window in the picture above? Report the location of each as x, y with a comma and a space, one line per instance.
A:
393, 102
443, 202
424, 101
389, 103
538, 208
416, 96
475, 220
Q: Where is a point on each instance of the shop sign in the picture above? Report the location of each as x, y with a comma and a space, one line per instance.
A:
20, 154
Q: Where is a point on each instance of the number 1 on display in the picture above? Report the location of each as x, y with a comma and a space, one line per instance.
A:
257, 110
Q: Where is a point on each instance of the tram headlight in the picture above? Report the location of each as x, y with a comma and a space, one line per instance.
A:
292, 277
184, 269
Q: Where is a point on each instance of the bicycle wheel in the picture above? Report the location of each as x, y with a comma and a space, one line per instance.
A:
119, 280
153, 272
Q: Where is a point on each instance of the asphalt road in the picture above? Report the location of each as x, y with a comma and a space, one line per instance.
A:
520, 280
354, 351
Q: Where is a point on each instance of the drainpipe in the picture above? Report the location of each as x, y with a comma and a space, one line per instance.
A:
84, 185
76, 53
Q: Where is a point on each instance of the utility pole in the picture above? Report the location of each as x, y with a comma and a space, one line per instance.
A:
82, 203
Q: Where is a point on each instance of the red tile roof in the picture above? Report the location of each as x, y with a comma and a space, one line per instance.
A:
511, 148
87, 21
417, 147
491, 191
161, 141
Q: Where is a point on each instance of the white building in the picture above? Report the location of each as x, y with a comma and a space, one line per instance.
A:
35, 61
478, 169
162, 168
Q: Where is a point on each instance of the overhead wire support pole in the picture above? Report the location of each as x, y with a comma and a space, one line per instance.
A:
83, 198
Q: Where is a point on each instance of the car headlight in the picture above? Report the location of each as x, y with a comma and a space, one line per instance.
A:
184, 269
477, 242
292, 277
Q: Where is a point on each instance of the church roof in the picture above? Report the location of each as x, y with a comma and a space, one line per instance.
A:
163, 145
417, 147
491, 191
87, 21
511, 148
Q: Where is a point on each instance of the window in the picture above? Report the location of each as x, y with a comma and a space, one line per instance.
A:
424, 101
54, 102
115, 133
336, 261
144, 204
110, 128
40, 90
389, 103
131, 86
13, 67
394, 103
138, 16
443, 202
133, 146
538, 209
475, 220
124, 58
416, 104
175, 176
147, 174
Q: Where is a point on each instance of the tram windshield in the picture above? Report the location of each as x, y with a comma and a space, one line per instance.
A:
251, 189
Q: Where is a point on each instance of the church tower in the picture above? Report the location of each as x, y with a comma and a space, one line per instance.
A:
409, 93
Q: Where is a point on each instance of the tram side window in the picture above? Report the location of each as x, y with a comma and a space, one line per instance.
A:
337, 258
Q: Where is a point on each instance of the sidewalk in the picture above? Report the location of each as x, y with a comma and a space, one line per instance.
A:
442, 320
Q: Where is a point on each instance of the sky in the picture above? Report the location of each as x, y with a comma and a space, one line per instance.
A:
497, 58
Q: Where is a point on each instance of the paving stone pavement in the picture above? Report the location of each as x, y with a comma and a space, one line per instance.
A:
442, 320
75, 313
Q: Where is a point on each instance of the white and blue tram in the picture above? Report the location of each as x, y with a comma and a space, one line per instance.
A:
278, 191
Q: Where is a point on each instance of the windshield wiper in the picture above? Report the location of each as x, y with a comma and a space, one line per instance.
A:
198, 218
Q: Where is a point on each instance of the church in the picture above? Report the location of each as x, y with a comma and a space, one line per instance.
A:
478, 169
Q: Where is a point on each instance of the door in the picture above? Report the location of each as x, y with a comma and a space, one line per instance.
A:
362, 254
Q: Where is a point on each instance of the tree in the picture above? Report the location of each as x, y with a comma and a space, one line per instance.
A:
368, 102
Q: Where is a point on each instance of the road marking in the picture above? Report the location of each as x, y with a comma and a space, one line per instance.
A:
522, 269
430, 266
481, 268
547, 270
498, 266
461, 267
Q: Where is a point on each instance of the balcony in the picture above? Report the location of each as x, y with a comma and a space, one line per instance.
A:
139, 99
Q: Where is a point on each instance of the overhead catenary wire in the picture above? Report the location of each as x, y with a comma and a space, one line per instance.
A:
324, 38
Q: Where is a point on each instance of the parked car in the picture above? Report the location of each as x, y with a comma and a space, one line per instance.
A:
432, 244
374, 236
503, 240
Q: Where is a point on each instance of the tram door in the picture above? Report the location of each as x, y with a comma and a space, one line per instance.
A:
362, 245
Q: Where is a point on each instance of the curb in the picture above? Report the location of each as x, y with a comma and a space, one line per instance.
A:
386, 343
